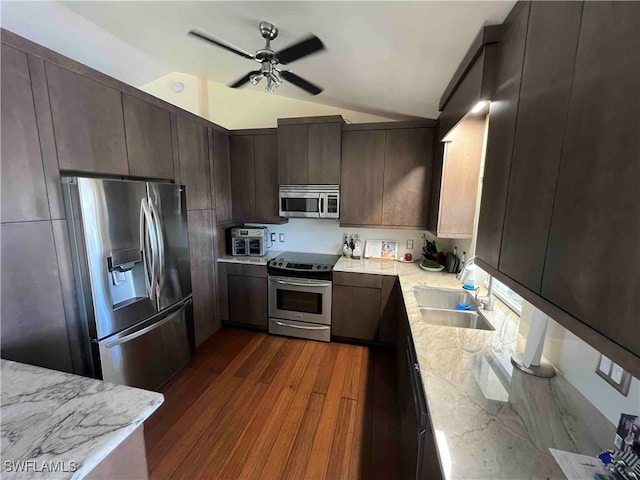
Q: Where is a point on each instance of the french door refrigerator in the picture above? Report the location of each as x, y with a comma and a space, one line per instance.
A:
130, 249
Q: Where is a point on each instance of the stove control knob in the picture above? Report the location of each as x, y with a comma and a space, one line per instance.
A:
280, 264
325, 267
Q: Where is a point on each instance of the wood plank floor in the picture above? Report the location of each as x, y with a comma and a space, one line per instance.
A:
251, 405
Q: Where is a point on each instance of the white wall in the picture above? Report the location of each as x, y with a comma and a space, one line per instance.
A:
326, 236
576, 361
64, 31
249, 107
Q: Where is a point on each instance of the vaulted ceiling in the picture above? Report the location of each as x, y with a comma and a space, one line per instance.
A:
392, 59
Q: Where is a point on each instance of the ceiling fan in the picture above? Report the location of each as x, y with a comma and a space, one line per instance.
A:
270, 60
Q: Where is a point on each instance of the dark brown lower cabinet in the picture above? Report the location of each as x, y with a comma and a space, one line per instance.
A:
363, 307
418, 452
243, 295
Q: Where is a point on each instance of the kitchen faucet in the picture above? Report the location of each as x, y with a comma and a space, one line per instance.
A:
486, 301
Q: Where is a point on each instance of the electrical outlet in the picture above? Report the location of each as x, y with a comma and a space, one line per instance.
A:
409, 244
273, 237
282, 237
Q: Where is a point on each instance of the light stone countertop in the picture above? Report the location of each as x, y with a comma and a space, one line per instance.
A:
491, 421
251, 260
54, 418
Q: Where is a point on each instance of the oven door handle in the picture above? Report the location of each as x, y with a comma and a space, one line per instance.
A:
325, 327
296, 284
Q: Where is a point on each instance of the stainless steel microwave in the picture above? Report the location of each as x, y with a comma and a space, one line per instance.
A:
310, 201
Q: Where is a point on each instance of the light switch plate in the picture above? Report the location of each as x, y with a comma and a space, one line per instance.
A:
273, 237
613, 374
409, 244
282, 237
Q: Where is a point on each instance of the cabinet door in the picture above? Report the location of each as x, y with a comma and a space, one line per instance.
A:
324, 153
355, 312
88, 123
292, 154
407, 177
248, 301
502, 124
362, 178
243, 187
595, 215
266, 178
33, 317
222, 175
148, 134
544, 98
193, 149
24, 195
201, 252
460, 178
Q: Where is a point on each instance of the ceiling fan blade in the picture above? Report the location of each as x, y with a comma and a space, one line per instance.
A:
243, 80
300, 82
227, 46
301, 49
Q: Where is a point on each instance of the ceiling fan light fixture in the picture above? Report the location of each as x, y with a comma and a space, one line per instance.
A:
255, 79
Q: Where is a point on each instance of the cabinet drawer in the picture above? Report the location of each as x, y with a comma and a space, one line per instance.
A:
247, 270
357, 280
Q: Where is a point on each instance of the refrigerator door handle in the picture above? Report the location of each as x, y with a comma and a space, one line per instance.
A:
159, 237
168, 317
147, 238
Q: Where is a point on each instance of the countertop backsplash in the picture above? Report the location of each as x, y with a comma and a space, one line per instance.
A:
327, 236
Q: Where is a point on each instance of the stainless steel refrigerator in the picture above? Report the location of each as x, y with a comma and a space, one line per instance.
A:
130, 249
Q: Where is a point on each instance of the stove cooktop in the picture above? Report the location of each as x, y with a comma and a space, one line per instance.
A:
304, 262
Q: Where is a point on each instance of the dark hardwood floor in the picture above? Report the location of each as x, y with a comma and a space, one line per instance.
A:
251, 405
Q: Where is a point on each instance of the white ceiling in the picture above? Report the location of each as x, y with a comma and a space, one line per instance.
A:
392, 59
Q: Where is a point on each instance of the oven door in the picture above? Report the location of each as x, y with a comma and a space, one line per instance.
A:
300, 299
300, 204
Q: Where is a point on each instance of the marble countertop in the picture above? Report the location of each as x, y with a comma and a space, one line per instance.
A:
490, 421
62, 420
251, 260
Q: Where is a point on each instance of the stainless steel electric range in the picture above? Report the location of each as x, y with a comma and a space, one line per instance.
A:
300, 295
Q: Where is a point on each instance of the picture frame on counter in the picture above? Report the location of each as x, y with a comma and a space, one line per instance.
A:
381, 250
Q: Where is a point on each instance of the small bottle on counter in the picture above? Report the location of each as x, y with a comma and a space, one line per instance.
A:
345, 247
357, 248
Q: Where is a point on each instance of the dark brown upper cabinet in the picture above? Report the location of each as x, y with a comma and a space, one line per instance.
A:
222, 175
193, 150
24, 194
243, 177
148, 136
309, 150
254, 177
473, 81
386, 175
88, 123
500, 136
459, 145
545, 88
362, 177
595, 213
407, 177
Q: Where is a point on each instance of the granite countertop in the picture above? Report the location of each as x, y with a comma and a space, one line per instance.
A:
251, 260
490, 421
50, 417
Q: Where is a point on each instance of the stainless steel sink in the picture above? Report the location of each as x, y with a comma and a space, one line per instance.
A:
442, 298
438, 307
455, 318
